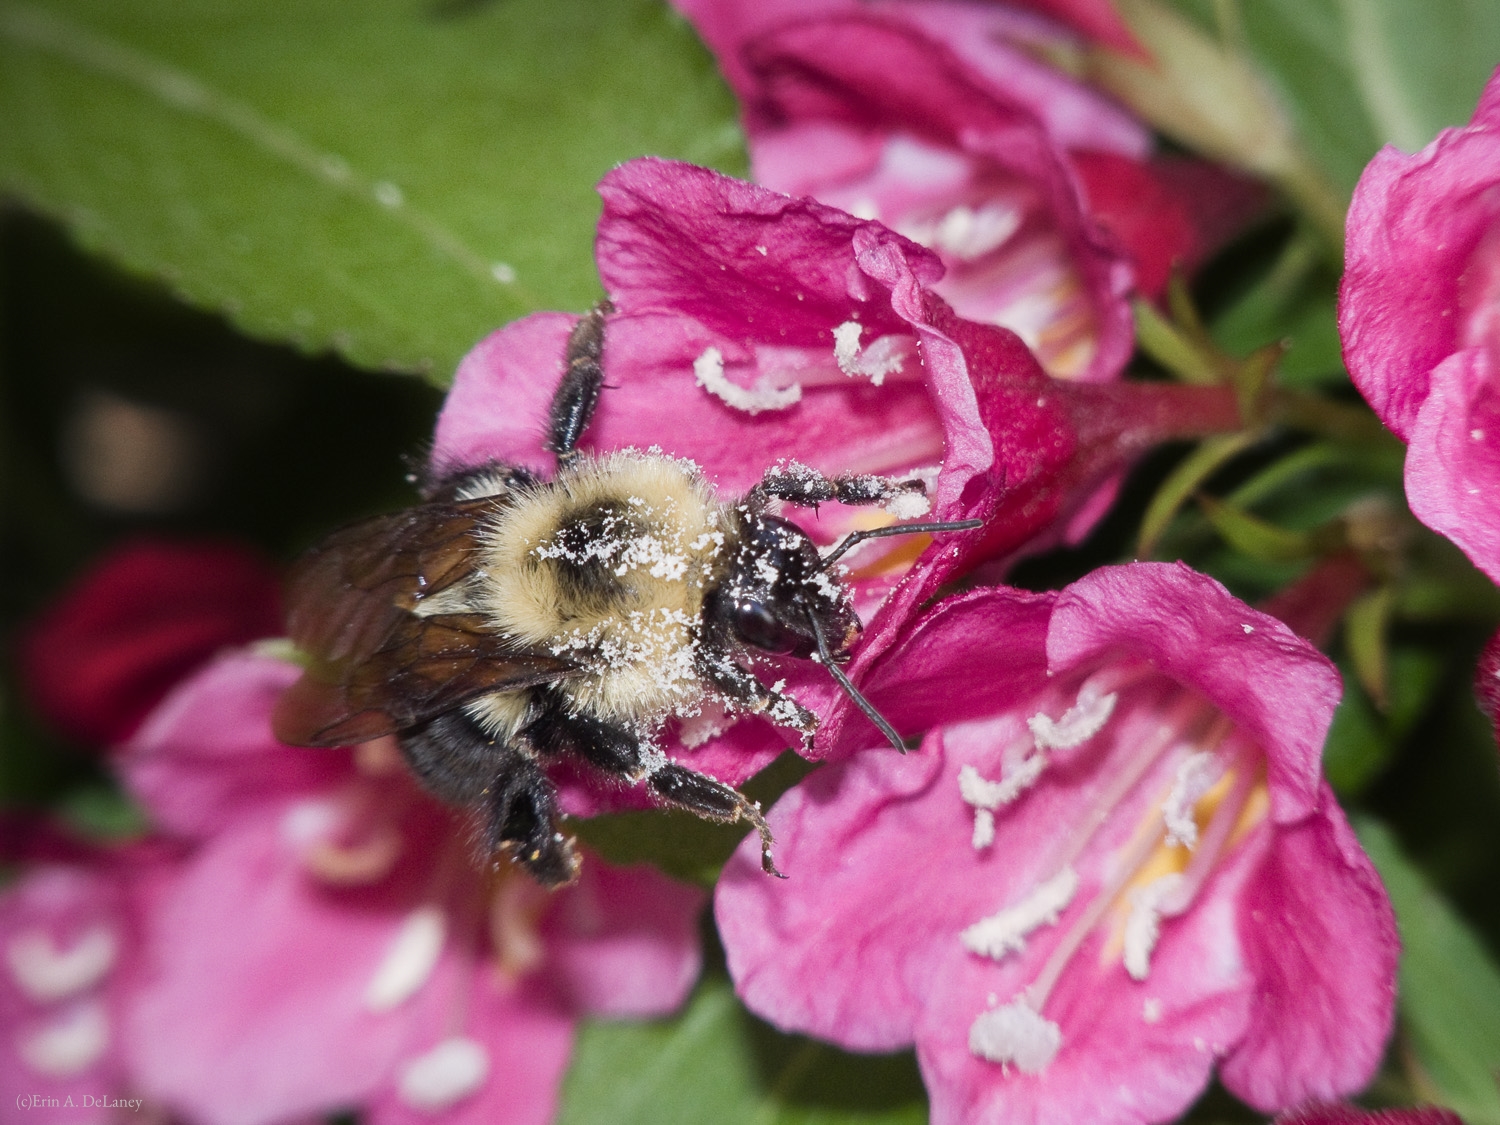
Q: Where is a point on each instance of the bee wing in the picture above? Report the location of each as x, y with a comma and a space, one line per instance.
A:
375, 667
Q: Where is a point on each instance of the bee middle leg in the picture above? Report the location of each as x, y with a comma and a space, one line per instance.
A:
616, 751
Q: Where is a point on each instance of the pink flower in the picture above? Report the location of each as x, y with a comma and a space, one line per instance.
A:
332, 944
1113, 864
1352, 1115
70, 937
1420, 317
753, 328
933, 118
140, 619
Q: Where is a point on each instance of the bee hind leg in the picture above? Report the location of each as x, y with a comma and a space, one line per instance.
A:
521, 819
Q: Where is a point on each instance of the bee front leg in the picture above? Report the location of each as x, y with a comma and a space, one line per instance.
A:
742, 689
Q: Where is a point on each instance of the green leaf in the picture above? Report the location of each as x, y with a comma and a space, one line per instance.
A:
392, 179
715, 1062
1357, 74
1450, 988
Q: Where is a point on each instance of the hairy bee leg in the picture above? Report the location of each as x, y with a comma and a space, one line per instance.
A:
713, 800
577, 395
603, 745
807, 488
521, 819
452, 756
740, 687
469, 482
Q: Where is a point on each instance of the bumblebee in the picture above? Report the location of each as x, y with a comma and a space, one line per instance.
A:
509, 621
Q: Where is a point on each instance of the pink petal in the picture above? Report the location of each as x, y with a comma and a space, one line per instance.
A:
1453, 460
255, 1007
1413, 227
844, 948
206, 756
623, 942
525, 1040
1131, 1052
1273, 684
1319, 1024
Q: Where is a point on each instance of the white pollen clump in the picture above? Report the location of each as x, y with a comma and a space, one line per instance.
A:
409, 960
1248, 628
1005, 932
1143, 927
984, 829
883, 357
70, 1044
1151, 1010
1078, 723
46, 973
908, 505
981, 793
1196, 775
1015, 1034
708, 369
445, 1075
986, 796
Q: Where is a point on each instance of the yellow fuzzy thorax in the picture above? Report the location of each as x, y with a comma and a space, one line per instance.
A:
607, 566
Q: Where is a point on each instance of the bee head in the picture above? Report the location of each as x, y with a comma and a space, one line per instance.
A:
775, 587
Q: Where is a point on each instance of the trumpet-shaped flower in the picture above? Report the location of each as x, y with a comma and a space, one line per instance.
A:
331, 943
1420, 317
1112, 866
137, 622
70, 961
933, 118
753, 328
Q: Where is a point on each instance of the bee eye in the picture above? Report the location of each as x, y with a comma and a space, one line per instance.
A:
756, 625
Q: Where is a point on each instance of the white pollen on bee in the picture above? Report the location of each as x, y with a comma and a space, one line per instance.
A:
1143, 926
1078, 723
708, 369
908, 505
1005, 932
46, 972
1015, 1034
445, 1075
409, 960
70, 1043
883, 357
1196, 775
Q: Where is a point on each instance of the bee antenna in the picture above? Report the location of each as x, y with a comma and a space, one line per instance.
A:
855, 538
826, 658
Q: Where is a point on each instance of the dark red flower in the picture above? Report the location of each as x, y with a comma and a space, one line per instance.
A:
138, 621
